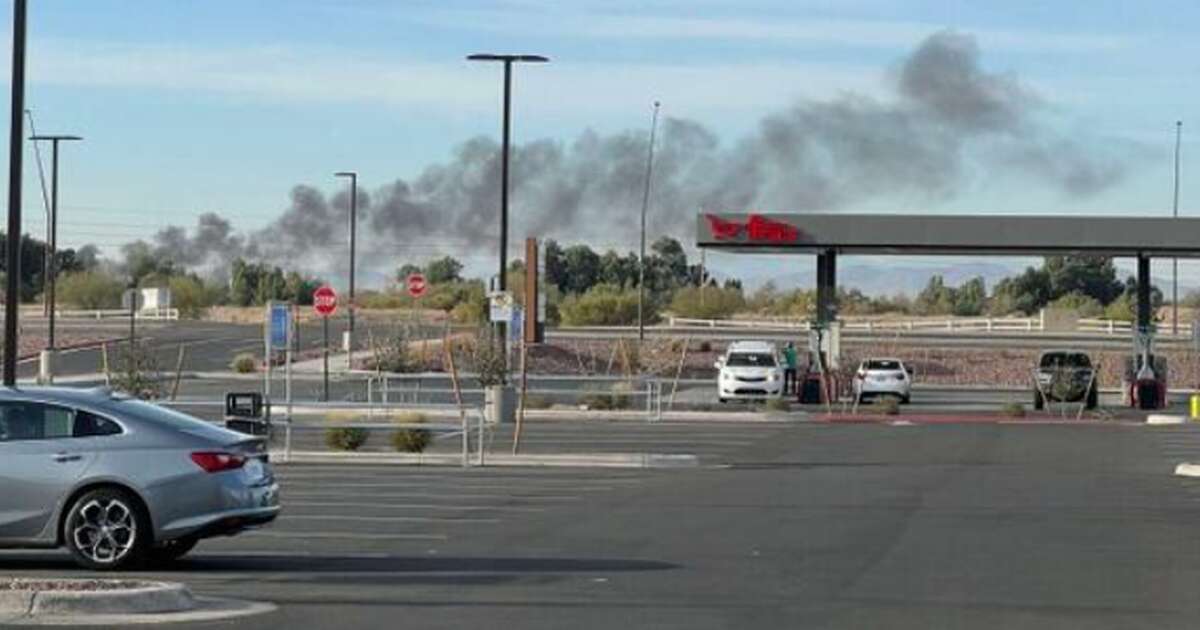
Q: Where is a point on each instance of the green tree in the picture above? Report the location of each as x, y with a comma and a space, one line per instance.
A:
1026, 293
406, 270
971, 298
445, 269
1094, 276
1084, 305
555, 264
582, 268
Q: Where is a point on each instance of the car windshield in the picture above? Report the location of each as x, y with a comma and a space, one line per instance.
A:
1066, 359
751, 359
882, 364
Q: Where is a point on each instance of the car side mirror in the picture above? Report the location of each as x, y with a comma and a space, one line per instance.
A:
719, 364
909, 369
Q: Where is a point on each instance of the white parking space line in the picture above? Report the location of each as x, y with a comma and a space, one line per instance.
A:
432, 495
384, 519
465, 486
344, 535
415, 506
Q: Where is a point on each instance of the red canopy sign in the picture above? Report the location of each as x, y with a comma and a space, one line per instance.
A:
325, 301
756, 227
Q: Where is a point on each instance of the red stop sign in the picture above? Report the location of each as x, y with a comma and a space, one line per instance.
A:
416, 284
325, 301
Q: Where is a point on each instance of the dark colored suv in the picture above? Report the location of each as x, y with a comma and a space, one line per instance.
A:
1065, 376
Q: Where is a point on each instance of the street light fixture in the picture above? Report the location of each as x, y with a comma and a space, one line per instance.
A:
645, 203
353, 176
52, 276
508, 61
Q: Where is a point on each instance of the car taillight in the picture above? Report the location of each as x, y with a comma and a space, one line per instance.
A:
215, 461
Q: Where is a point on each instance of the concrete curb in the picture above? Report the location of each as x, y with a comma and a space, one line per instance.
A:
147, 598
582, 460
156, 597
1187, 470
1162, 419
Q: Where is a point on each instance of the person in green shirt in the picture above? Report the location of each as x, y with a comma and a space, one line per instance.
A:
789, 369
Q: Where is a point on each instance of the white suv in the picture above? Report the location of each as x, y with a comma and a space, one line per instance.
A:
749, 370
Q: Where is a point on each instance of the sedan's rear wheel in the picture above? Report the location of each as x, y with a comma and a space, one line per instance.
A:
106, 530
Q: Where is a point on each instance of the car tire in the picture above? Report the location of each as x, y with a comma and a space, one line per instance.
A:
1038, 401
107, 530
171, 550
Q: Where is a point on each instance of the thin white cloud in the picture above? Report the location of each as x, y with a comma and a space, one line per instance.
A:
842, 33
315, 75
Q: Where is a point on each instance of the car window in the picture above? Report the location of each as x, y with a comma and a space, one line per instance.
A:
883, 365
34, 421
1066, 359
88, 424
751, 359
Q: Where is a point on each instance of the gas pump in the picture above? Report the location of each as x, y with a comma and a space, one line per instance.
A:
1145, 373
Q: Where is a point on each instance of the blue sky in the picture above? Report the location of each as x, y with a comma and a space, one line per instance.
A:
223, 105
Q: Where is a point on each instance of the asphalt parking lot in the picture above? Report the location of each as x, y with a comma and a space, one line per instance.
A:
809, 526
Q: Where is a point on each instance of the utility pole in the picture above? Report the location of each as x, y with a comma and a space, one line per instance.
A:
645, 203
1175, 214
52, 271
16, 144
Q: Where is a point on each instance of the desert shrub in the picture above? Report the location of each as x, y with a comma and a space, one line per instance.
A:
244, 363
391, 353
90, 290
346, 438
409, 440
886, 406
1013, 410
604, 305
777, 404
534, 401
617, 398
707, 302
137, 372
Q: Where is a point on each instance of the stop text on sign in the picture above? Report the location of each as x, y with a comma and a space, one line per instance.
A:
325, 301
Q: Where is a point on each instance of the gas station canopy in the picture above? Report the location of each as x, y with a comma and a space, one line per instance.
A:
1016, 235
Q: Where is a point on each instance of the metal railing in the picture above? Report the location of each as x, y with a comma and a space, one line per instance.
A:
434, 388
955, 324
154, 314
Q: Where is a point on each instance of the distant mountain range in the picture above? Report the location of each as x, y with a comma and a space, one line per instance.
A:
884, 279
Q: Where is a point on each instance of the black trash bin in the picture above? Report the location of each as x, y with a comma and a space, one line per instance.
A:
244, 413
810, 390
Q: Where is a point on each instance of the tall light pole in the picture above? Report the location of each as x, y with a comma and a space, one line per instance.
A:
645, 203
52, 275
353, 175
508, 61
1175, 214
16, 145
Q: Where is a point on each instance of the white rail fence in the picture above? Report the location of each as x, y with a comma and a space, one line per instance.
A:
150, 314
950, 325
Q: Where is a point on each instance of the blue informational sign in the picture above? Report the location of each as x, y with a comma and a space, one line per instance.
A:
279, 318
516, 324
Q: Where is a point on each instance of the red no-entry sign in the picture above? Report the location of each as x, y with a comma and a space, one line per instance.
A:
325, 301
416, 284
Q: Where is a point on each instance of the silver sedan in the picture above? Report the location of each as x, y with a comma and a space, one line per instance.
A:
118, 481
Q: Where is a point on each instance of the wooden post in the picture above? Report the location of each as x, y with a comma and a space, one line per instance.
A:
524, 388
178, 371
104, 363
678, 371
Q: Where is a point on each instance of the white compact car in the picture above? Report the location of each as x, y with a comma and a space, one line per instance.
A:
749, 370
883, 377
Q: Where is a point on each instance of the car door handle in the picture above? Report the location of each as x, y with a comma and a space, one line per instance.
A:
67, 457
